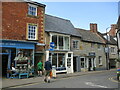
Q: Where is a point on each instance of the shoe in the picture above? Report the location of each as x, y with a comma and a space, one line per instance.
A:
45, 80
48, 81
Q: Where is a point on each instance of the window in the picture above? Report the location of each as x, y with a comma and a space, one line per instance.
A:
92, 45
112, 49
32, 32
61, 42
100, 60
32, 10
75, 44
82, 63
99, 46
66, 42
58, 59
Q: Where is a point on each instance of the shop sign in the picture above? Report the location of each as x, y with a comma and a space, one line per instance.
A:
7, 44
92, 54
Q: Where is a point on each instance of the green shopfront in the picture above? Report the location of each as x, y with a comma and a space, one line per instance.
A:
19, 53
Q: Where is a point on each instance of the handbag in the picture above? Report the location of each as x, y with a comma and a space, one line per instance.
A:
50, 74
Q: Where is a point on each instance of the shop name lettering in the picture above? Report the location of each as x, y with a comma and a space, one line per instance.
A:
11, 44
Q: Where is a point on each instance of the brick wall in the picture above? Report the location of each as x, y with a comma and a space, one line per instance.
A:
15, 18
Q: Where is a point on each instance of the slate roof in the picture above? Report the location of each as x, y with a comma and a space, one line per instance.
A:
89, 36
59, 25
111, 39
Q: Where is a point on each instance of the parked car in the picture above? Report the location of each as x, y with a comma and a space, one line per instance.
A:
118, 74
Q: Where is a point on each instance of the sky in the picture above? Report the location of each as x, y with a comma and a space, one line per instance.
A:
81, 14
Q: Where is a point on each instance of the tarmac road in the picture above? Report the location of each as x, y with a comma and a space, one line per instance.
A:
95, 80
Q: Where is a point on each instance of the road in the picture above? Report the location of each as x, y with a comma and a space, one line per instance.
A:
96, 80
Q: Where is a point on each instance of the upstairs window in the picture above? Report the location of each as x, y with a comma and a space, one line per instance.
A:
61, 42
32, 10
112, 50
75, 44
99, 46
32, 32
92, 45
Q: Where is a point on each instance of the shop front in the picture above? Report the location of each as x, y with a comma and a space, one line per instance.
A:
62, 61
18, 53
88, 63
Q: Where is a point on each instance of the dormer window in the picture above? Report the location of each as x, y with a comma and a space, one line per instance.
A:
32, 10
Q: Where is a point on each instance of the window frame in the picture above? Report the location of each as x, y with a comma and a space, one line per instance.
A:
34, 6
36, 31
112, 50
76, 46
59, 35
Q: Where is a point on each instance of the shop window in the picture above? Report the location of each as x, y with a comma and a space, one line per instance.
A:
54, 59
24, 60
82, 63
61, 60
58, 59
32, 10
32, 32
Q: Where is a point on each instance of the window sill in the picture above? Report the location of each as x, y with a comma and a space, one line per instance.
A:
100, 65
32, 40
32, 16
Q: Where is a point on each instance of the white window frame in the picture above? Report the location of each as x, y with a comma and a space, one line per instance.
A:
112, 50
100, 60
52, 34
33, 6
35, 27
76, 46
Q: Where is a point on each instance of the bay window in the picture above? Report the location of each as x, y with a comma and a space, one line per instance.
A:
61, 42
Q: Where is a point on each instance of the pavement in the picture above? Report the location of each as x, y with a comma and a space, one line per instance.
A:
7, 83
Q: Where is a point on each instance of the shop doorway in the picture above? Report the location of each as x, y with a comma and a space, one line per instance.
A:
90, 64
38, 57
75, 64
4, 65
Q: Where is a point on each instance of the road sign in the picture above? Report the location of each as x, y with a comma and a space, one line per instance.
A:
52, 44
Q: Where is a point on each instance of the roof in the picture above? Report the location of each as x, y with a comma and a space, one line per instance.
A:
35, 3
111, 39
59, 25
90, 36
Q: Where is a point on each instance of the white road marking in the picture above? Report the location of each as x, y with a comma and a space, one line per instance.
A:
92, 84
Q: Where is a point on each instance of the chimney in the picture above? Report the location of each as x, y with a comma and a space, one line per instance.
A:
113, 30
93, 27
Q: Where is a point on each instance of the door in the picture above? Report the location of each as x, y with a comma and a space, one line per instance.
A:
74, 64
4, 65
90, 64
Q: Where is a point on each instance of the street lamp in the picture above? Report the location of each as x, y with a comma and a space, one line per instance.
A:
107, 51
